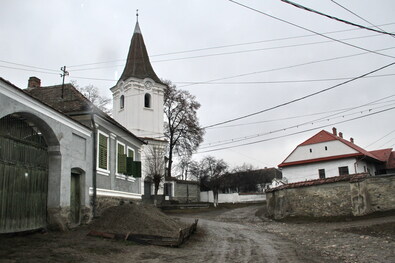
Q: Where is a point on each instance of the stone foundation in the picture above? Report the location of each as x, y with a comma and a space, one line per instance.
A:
58, 219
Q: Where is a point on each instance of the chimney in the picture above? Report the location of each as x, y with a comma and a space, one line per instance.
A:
352, 140
340, 134
334, 130
34, 82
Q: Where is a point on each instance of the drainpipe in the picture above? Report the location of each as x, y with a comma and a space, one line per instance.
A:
94, 164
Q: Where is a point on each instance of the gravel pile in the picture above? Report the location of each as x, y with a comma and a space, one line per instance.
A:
137, 219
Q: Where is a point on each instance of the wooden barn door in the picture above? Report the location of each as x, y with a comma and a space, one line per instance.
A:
23, 176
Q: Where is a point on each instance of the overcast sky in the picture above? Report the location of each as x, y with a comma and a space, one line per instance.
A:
258, 63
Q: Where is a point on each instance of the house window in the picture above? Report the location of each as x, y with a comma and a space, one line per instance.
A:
343, 170
102, 151
321, 173
121, 158
147, 100
122, 102
131, 153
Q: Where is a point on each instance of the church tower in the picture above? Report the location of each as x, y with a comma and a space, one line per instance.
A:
138, 94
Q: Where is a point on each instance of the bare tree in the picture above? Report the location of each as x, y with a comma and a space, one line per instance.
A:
92, 93
210, 172
155, 165
182, 128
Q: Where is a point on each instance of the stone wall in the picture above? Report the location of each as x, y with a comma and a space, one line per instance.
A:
350, 195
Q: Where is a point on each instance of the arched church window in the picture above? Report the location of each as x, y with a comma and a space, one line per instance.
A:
147, 100
122, 102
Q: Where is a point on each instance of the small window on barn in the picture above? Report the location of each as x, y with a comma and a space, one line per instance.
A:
343, 170
321, 173
326, 148
122, 102
147, 100
311, 150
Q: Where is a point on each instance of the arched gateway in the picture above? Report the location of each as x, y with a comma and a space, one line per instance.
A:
23, 175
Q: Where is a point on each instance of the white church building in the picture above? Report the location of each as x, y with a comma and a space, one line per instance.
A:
138, 99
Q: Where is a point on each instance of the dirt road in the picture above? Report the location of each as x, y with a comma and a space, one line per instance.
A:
230, 235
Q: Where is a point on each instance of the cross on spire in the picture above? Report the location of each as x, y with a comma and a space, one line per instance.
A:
137, 15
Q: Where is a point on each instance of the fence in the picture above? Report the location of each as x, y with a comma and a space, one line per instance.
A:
208, 197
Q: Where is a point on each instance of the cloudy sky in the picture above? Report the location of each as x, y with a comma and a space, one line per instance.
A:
237, 60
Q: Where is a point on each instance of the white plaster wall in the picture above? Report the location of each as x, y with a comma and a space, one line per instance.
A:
208, 197
143, 122
306, 172
334, 148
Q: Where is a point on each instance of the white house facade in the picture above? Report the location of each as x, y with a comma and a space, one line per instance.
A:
327, 155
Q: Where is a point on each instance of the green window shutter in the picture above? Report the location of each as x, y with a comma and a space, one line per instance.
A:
103, 151
129, 166
122, 163
136, 169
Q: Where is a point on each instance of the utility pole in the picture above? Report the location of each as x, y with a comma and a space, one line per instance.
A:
63, 75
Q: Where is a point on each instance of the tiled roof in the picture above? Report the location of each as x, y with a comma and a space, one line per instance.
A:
347, 177
40, 101
138, 64
324, 136
382, 154
391, 161
71, 102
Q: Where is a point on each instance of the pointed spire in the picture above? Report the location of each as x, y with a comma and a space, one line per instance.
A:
137, 27
138, 64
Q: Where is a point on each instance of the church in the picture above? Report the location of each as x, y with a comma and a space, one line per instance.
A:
138, 99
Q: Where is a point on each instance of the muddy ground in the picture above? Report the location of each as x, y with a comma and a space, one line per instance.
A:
223, 235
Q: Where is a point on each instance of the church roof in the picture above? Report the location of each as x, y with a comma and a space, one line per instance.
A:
138, 64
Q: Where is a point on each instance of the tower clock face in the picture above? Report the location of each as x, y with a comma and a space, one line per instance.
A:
148, 84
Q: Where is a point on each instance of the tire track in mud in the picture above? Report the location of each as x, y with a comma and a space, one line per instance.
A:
235, 242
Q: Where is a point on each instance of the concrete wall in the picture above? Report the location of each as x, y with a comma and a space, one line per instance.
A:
355, 197
232, 198
69, 148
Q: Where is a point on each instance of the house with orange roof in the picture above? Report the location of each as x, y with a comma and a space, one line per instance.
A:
329, 154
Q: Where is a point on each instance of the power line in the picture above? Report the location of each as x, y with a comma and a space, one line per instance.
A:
326, 118
335, 18
295, 133
348, 10
229, 53
311, 31
30, 70
27, 66
380, 139
224, 46
286, 67
301, 98
300, 116
276, 81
